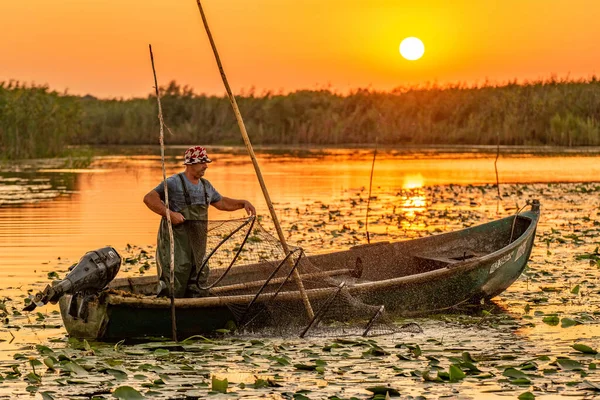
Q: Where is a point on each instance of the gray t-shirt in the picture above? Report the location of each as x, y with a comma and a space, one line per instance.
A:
177, 198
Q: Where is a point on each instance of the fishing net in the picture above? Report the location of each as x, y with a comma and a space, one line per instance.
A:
269, 290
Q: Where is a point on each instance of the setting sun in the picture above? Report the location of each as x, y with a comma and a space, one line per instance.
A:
412, 48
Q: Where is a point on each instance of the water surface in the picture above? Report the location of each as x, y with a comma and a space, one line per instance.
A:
50, 217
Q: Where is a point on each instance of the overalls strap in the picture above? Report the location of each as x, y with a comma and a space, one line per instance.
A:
186, 194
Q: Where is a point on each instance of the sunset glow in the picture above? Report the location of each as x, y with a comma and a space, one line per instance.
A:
101, 48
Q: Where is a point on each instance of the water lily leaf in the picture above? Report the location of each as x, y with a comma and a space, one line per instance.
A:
568, 322
127, 393
428, 378
592, 385
47, 396
444, 375
528, 366
551, 320
456, 374
469, 366
197, 338
569, 365
383, 390
118, 345
35, 362
305, 367
44, 350
375, 351
526, 396
416, 350
75, 368
584, 348
161, 352
466, 356
33, 378
117, 373
520, 381
575, 290
112, 362
219, 385
514, 373
32, 389
260, 383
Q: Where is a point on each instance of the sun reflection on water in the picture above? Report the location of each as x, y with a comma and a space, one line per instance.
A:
413, 181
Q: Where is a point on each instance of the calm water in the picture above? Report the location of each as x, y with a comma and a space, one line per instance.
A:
50, 217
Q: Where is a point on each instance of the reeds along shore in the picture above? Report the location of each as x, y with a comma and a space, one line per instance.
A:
36, 122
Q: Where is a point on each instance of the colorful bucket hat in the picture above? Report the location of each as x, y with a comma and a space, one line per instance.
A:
195, 155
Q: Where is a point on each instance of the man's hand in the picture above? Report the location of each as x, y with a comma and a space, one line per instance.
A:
249, 208
176, 218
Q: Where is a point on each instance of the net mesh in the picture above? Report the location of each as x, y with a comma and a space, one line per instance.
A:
266, 289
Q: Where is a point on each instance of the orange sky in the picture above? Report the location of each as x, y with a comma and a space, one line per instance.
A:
101, 46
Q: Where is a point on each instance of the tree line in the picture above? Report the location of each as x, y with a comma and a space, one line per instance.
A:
36, 122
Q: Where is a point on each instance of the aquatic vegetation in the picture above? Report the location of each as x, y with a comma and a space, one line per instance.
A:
541, 337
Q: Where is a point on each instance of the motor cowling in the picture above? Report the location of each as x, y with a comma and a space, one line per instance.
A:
94, 271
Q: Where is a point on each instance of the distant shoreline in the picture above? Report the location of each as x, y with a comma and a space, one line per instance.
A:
540, 117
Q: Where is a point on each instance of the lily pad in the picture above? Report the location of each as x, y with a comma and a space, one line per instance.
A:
568, 322
219, 385
584, 348
383, 390
569, 365
127, 393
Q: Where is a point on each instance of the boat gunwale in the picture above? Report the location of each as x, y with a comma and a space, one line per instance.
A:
465, 266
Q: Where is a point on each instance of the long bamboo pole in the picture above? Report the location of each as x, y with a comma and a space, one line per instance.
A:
276, 281
242, 127
171, 242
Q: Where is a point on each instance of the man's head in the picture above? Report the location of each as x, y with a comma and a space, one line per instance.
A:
195, 155
196, 161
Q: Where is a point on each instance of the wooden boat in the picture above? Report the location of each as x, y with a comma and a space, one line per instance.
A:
409, 277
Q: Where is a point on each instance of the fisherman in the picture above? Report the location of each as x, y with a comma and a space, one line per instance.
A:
189, 197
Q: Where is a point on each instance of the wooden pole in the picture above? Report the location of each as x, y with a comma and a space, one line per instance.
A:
275, 281
242, 127
369, 197
172, 244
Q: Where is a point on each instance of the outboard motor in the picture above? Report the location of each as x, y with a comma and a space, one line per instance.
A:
90, 275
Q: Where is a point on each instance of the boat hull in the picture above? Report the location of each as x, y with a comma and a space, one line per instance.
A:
418, 277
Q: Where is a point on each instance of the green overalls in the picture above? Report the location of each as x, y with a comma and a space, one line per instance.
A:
190, 248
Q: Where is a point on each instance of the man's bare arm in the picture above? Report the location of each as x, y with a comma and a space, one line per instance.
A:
155, 204
229, 204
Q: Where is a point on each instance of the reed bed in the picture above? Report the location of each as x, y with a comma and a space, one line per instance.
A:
36, 122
